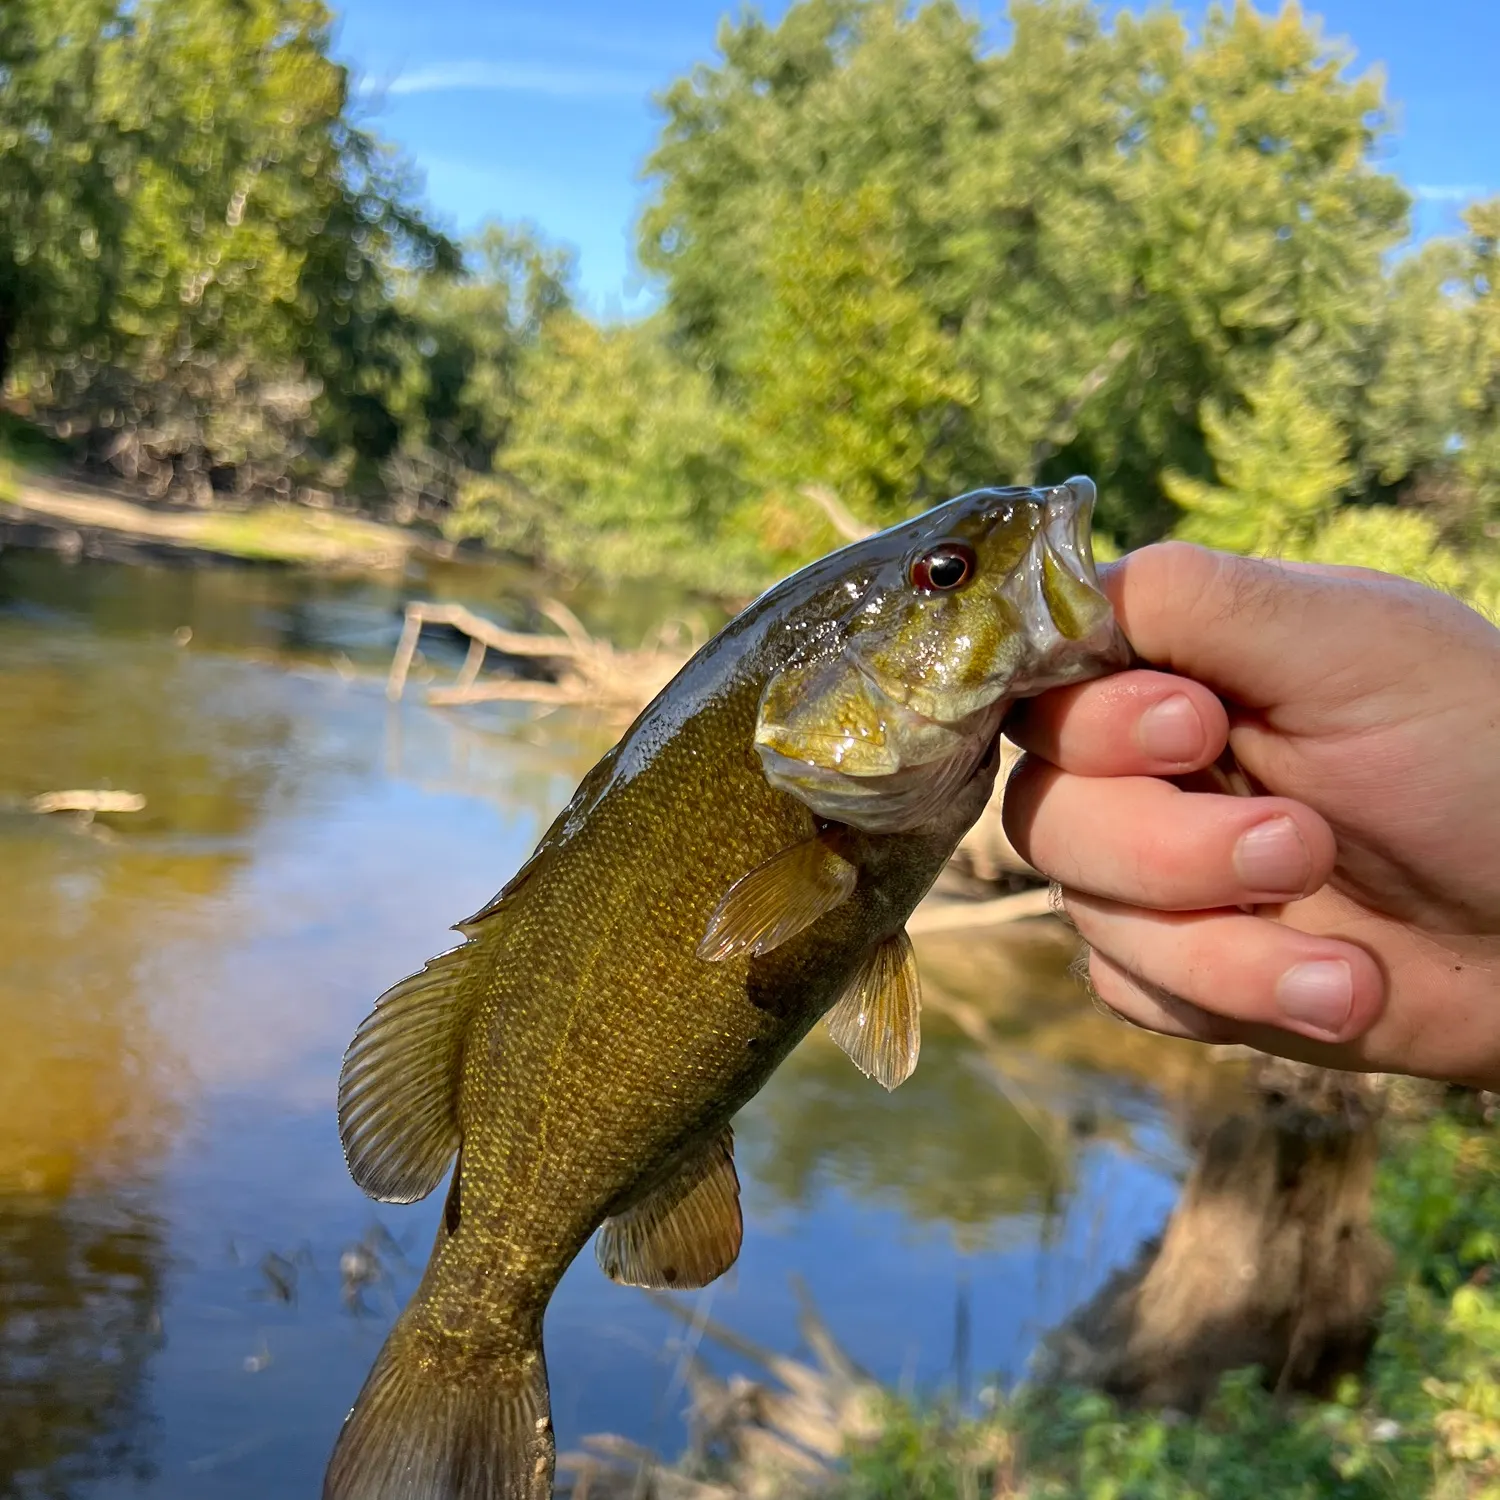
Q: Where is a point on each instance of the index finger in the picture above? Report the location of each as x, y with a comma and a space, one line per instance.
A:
1136, 723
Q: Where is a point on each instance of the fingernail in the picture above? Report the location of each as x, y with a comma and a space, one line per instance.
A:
1171, 731
1318, 994
1271, 859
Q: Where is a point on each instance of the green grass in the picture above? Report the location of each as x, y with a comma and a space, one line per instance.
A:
1422, 1424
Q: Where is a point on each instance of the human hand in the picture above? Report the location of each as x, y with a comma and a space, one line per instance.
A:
1368, 710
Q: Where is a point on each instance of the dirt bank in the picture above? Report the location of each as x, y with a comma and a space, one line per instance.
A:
85, 520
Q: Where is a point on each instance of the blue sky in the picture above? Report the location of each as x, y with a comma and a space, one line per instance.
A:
521, 110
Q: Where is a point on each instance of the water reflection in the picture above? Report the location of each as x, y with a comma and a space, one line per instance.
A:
948, 1147
80, 1287
178, 986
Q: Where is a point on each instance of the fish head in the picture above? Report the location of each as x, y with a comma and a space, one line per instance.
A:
950, 617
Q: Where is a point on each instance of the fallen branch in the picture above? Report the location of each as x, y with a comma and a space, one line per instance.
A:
87, 802
482, 633
505, 690
584, 671
840, 517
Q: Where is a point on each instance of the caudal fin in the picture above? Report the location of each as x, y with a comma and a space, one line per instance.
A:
427, 1427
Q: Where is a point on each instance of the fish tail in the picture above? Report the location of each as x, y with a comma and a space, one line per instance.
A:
436, 1423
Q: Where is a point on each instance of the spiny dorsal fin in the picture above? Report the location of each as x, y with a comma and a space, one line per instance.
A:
779, 899
398, 1089
685, 1233
877, 1019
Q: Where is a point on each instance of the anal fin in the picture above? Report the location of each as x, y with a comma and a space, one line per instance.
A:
684, 1234
779, 899
878, 1020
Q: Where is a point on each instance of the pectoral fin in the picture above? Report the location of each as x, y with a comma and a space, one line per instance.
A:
779, 899
398, 1088
877, 1020
684, 1234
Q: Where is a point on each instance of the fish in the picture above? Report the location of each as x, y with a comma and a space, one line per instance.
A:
737, 868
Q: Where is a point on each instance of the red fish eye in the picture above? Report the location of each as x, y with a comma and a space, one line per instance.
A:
944, 569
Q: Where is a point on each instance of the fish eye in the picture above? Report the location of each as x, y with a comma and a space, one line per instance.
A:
948, 566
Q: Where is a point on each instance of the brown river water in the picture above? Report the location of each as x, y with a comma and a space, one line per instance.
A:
177, 985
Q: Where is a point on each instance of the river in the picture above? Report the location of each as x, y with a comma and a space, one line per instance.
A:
177, 985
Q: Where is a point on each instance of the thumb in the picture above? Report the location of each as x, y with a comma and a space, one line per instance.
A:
1266, 634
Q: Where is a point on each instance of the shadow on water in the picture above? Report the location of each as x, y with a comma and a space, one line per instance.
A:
191, 1289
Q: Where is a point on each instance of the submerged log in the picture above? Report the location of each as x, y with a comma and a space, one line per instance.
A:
87, 801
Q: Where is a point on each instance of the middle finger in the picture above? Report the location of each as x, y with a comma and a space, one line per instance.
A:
1145, 842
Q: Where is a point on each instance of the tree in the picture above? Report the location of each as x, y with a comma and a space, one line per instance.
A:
217, 233
849, 380
1282, 492
618, 463
1479, 433
1281, 472
61, 202
457, 392
1109, 223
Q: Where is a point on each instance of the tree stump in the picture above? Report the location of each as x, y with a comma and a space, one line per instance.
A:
1269, 1259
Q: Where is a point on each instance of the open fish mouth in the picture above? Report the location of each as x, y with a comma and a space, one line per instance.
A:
1065, 612
1067, 526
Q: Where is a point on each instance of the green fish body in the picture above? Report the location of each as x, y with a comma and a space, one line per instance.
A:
740, 865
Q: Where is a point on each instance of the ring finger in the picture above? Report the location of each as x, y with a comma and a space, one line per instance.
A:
1243, 968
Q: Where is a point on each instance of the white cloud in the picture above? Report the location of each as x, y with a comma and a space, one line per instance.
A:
1450, 192
517, 78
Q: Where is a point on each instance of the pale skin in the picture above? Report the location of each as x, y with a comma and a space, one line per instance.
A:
1366, 710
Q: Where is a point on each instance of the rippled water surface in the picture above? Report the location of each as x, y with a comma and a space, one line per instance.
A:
177, 985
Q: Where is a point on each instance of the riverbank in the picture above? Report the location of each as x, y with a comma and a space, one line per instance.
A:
1418, 1420
79, 518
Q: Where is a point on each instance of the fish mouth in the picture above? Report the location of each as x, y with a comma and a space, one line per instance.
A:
1056, 588
1067, 526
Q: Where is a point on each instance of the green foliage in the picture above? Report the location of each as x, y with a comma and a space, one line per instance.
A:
195, 239
1423, 1424
1479, 426
456, 393
25, 444
1281, 489
61, 168
1281, 470
849, 378
1107, 224
618, 463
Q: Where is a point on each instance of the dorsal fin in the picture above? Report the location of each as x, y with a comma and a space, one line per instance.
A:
779, 899
878, 1018
398, 1088
686, 1232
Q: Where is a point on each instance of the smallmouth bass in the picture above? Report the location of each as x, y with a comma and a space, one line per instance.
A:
739, 866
